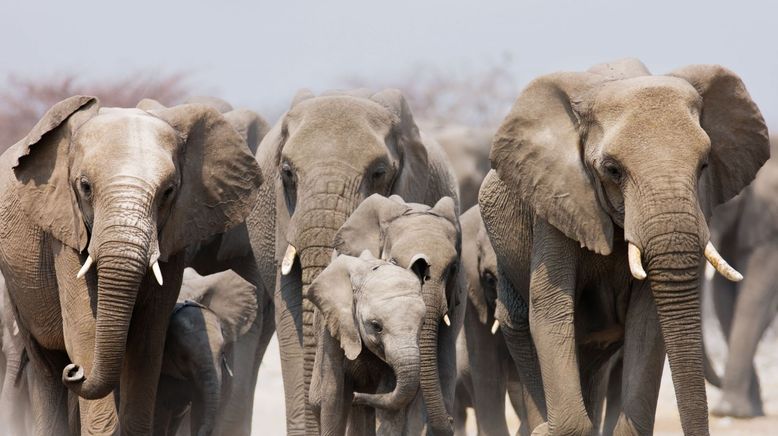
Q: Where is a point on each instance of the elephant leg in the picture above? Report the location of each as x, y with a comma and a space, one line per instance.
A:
488, 380
755, 309
724, 299
447, 352
48, 397
362, 421
552, 324
613, 401
643, 362
145, 346
595, 366
516, 395
246, 356
461, 401
288, 317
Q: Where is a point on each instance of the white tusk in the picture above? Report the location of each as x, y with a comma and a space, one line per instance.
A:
635, 266
85, 267
286, 264
495, 326
446, 320
157, 272
720, 264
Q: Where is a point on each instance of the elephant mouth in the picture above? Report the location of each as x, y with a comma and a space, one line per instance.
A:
711, 255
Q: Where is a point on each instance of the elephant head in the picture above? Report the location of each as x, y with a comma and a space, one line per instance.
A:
128, 189
373, 303
616, 149
479, 263
426, 240
213, 311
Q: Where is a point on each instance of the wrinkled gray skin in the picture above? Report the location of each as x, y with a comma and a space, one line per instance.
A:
468, 150
485, 371
126, 187
232, 250
414, 236
583, 164
746, 231
321, 159
211, 313
15, 417
369, 316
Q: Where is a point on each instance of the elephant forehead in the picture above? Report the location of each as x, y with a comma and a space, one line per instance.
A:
644, 94
391, 280
128, 128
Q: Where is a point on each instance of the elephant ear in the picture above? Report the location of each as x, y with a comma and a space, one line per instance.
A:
219, 178
41, 167
332, 293
234, 301
414, 161
250, 125
537, 151
736, 128
363, 230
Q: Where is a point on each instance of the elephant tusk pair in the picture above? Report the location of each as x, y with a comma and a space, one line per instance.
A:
711, 254
288, 261
89, 261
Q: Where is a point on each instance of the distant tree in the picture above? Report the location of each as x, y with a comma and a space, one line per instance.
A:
24, 100
474, 97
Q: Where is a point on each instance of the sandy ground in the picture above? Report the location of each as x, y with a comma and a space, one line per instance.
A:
269, 418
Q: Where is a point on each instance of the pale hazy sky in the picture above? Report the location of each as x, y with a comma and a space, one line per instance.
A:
257, 54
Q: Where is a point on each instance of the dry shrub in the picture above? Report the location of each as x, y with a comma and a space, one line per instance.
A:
24, 100
474, 97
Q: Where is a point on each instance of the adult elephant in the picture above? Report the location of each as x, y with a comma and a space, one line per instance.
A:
485, 371
232, 250
597, 174
746, 231
322, 158
127, 191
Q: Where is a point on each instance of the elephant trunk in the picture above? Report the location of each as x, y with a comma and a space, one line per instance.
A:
672, 240
437, 417
120, 245
405, 364
331, 197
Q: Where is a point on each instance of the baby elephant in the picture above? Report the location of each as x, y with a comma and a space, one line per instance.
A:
211, 313
366, 301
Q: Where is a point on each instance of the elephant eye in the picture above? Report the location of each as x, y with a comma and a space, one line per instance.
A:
376, 326
85, 186
379, 172
168, 192
286, 171
613, 171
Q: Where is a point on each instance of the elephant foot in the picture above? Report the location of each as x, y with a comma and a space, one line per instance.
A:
737, 406
541, 430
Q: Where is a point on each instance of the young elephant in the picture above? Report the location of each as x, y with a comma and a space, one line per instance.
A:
370, 302
485, 371
210, 315
597, 209
414, 236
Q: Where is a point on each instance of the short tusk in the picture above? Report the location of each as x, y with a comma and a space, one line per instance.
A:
85, 267
446, 320
720, 264
157, 272
495, 326
286, 264
635, 266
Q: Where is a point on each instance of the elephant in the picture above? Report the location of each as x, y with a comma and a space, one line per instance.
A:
231, 250
15, 416
211, 313
369, 317
323, 157
597, 204
414, 235
468, 150
745, 229
125, 190
485, 371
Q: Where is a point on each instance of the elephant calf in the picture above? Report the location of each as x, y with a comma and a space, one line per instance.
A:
211, 313
365, 301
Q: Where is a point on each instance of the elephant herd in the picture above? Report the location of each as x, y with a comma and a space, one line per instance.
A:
149, 254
